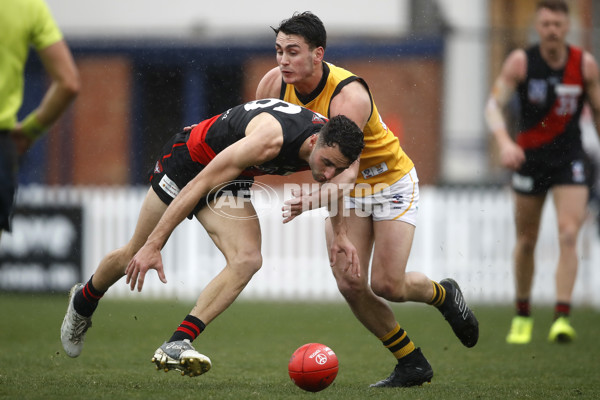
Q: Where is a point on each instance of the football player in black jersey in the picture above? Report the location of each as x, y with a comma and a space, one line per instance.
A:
218, 157
552, 80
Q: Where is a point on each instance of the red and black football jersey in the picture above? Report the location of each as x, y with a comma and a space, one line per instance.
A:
213, 135
551, 102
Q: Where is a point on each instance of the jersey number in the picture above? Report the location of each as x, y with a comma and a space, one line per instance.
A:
282, 106
567, 105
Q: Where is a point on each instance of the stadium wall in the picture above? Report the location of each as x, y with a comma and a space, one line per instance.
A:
136, 94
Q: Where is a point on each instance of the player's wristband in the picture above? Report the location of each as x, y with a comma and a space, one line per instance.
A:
31, 126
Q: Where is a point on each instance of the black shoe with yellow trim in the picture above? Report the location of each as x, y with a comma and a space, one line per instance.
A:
458, 314
411, 370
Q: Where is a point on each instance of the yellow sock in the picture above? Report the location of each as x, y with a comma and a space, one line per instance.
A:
439, 295
398, 343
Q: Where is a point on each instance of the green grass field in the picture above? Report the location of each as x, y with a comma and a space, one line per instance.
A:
251, 343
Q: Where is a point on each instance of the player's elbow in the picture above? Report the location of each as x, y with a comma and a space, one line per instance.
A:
71, 85
491, 106
493, 116
67, 82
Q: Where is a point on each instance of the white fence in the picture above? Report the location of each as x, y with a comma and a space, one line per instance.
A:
466, 234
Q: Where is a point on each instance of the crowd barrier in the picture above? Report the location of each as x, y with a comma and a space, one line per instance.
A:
463, 233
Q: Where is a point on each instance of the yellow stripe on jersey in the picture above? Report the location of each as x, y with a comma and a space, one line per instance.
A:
382, 161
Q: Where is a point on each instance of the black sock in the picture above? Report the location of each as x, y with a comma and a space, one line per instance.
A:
189, 329
562, 310
523, 308
86, 300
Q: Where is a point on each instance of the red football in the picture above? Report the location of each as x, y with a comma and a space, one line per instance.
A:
313, 367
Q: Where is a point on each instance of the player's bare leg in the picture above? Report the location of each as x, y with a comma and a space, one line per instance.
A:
371, 311
78, 318
374, 313
570, 202
238, 237
528, 214
113, 265
389, 279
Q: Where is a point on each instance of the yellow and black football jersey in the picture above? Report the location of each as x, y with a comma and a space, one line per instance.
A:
382, 161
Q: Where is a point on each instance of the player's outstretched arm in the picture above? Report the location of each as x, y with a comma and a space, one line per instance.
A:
262, 143
337, 213
341, 243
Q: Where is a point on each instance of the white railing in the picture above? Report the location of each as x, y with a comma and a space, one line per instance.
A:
466, 234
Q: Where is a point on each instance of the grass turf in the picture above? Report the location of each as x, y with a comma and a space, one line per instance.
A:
250, 345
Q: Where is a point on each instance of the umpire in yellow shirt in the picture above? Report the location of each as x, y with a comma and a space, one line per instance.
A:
28, 23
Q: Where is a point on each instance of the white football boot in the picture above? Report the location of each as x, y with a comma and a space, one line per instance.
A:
182, 356
74, 327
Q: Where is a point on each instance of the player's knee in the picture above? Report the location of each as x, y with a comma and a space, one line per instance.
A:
350, 288
568, 235
526, 244
388, 289
247, 262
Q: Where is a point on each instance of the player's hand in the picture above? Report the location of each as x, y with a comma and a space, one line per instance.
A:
22, 141
294, 206
299, 203
512, 155
341, 244
189, 128
147, 258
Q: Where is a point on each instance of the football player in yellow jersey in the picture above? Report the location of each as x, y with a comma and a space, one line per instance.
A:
25, 24
378, 217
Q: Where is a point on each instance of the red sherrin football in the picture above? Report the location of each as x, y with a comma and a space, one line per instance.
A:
313, 367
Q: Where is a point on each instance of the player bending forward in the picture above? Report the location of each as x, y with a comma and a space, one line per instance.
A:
220, 155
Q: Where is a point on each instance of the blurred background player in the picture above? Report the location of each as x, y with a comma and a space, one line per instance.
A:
218, 157
552, 80
28, 23
381, 221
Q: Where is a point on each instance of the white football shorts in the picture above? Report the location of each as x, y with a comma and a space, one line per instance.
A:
398, 202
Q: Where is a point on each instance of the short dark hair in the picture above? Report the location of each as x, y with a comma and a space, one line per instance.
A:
307, 25
343, 132
554, 5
